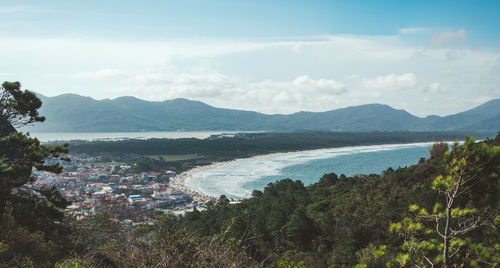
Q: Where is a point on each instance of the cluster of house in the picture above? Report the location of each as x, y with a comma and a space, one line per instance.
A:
93, 187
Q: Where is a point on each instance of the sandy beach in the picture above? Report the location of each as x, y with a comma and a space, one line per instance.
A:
179, 181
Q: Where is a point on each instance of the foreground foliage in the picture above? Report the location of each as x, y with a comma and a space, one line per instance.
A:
98, 242
447, 234
337, 222
344, 221
445, 208
31, 229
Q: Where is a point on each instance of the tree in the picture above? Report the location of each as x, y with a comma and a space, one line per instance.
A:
18, 107
442, 234
438, 150
20, 153
23, 210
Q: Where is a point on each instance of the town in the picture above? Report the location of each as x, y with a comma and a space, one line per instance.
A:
131, 199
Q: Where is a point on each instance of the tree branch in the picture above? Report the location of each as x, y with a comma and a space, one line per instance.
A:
437, 228
429, 261
458, 249
465, 229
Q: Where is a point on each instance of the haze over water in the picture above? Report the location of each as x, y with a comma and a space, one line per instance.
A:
94, 136
237, 179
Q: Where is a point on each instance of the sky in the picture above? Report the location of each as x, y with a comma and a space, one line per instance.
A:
427, 57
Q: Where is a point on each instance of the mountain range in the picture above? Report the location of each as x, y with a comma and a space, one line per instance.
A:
75, 113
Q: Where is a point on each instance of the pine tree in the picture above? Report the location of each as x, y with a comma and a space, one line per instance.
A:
443, 234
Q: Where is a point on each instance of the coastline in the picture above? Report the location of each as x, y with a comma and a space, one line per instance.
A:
181, 181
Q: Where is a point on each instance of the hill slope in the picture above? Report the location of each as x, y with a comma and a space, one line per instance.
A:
74, 113
340, 221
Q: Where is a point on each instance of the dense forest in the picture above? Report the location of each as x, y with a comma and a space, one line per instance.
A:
344, 221
248, 144
442, 211
337, 222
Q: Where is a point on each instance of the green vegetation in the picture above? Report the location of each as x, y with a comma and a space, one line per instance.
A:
442, 235
344, 221
442, 210
98, 242
84, 114
30, 221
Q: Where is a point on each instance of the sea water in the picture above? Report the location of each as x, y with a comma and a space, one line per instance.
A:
237, 179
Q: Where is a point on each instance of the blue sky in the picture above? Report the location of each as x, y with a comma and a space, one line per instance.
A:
249, 19
428, 57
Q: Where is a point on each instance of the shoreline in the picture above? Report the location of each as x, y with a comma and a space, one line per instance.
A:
180, 180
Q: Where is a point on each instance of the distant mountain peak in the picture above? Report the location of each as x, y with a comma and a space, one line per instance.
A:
184, 100
128, 98
71, 112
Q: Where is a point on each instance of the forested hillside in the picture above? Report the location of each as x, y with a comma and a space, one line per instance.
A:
442, 211
371, 220
74, 113
344, 221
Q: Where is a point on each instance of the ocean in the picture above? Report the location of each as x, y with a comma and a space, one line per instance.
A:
237, 179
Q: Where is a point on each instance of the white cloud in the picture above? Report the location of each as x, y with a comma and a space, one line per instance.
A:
278, 76
100, 74
301, 93
204, 85
392, 82
443, 38
433, 88
455, 54
51, 76
232, 92
296, 48
325, 86
72, 54
5, 10
413, 30
482, 99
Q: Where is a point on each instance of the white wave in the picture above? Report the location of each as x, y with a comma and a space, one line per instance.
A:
228, 178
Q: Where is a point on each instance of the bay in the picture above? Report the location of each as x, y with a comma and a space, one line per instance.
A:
237, 179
